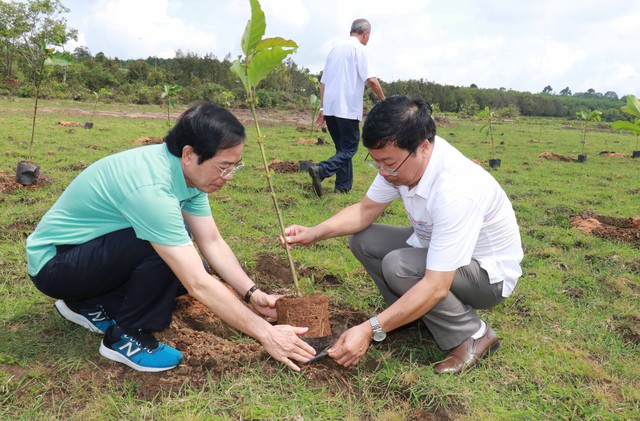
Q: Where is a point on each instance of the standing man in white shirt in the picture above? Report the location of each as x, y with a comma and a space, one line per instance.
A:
462, 251
345, 74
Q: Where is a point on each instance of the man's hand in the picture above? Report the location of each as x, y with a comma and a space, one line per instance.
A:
265, 303
351, 345
284, 344
297, 235
320, 118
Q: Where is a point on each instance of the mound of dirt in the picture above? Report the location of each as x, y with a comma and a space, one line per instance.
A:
8, 183
70, 124
282, 167
626, 230
149, 140
614, 154
555, 157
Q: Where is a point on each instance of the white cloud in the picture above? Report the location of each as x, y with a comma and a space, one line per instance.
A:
520, 45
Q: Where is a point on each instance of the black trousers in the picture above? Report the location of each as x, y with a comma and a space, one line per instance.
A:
346, 137
118, 271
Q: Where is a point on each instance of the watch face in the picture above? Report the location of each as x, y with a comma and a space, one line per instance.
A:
379, 336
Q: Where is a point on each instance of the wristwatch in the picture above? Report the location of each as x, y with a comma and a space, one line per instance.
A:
378, 333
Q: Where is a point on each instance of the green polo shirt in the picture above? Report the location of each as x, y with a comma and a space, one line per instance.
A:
142, 188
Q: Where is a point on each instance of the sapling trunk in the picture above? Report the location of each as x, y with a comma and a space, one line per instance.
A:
274, 198
33, 122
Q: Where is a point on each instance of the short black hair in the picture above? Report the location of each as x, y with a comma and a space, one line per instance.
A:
207, 128
400, 120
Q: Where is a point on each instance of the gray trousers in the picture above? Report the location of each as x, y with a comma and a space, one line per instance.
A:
395, 267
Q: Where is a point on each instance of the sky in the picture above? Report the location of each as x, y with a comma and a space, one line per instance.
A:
524, 46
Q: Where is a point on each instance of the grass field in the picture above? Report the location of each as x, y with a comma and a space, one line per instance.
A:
570, 333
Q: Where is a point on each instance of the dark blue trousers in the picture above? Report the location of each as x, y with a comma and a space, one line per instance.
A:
346, 137
119, 271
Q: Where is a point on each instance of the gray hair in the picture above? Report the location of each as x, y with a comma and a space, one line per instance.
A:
359, 26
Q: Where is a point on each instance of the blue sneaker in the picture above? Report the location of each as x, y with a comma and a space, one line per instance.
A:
139, 350
96, 319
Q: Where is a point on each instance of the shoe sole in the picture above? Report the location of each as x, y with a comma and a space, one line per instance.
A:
117, 357
74, 317
315, 177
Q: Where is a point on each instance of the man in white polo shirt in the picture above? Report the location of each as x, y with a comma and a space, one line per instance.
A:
345, 74
461, 252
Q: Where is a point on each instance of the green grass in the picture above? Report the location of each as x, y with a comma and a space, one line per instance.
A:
569, 333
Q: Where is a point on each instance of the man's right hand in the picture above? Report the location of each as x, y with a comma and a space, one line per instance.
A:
297, 235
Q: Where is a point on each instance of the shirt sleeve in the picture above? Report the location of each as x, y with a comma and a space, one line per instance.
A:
381, 191
155, 215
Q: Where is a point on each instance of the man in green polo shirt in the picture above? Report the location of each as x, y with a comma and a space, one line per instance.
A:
115, 252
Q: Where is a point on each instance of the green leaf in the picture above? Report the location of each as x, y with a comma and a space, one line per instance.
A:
627, 125
263, 63
254, 30
59, 59
632, 107
239, 70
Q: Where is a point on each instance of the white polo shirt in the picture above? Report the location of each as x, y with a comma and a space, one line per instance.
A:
345, 74
459, 212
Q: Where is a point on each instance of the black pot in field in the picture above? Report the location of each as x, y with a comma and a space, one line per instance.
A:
636, 154
582, 158
495, 163
88, 126
27, 173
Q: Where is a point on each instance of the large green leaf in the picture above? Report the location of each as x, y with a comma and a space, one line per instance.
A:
254, 30
632, 107
59, 59
267, 57
627, 125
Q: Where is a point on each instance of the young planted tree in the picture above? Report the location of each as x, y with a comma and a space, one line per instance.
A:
593, 116
169, 93
261, 57
97, 95
314, 103
632, 108
35, 25
487, 131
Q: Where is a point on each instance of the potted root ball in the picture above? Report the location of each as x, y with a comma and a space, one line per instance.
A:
632, 108
594, 116
261, 57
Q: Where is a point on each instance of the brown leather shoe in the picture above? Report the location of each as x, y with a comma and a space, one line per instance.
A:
468, 353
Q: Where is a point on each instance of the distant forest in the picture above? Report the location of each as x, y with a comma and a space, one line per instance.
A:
290, 86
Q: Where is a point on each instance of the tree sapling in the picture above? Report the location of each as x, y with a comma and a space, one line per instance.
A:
594, 116
632, 108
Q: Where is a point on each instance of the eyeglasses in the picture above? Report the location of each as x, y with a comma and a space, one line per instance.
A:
227, 173
389, 171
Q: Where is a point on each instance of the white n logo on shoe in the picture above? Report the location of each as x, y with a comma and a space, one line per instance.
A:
97, 316
130, 350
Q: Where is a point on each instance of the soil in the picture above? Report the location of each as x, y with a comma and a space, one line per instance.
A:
555, 157
212, 348
9, 185
282, 167
625, 230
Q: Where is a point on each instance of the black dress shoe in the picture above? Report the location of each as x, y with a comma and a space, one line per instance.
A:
468, 353
315, 179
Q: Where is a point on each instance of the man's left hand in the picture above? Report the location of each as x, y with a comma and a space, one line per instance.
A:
351, 345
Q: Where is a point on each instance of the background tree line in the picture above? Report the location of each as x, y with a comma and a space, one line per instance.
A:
24, 26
